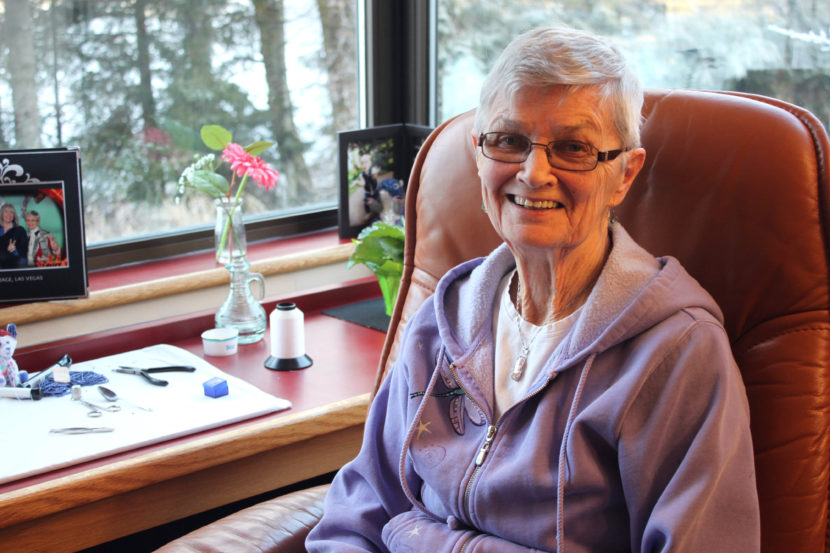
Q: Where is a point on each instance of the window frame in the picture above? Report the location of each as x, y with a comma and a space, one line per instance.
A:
182, 242
400, 49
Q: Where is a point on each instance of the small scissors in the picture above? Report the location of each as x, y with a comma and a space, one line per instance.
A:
96, 411
146, 372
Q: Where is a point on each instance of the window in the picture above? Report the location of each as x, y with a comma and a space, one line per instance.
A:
778, 48
132, 82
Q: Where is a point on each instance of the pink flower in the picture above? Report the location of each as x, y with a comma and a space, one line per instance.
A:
243, 163
236, 156
263, 174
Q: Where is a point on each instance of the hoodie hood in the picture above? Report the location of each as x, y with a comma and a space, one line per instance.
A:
634, 292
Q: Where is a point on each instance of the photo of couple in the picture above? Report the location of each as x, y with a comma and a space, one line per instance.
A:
32, 229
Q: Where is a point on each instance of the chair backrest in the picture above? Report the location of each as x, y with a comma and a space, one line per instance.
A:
736, 187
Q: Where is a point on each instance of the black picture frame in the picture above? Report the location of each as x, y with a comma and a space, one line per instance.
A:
374, 166
46, 185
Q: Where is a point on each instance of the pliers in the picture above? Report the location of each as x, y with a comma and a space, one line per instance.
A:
146, 372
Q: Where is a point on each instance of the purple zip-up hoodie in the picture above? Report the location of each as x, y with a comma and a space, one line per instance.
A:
634, 437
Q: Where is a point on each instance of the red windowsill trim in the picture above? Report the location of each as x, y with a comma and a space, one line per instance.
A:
173, 329
136, 273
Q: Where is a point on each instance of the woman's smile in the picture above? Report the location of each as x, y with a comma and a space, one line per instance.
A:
528, 203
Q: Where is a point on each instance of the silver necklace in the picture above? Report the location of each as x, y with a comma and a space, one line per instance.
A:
521, 361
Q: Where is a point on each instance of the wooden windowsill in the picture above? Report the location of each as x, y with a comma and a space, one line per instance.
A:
167, 286
204, 260
185, 278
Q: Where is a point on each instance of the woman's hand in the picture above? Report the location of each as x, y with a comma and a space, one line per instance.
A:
12, 246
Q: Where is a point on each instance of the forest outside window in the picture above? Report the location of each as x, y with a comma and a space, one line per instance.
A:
131, 82
778, 48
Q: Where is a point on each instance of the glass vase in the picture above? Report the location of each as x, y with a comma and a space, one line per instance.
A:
229, 233
242, 309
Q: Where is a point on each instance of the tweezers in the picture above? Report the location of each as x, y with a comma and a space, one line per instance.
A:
146, 372
81, 430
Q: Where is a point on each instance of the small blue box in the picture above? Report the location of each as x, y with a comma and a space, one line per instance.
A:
216, 387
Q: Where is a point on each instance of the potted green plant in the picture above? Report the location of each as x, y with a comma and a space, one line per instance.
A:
380, 247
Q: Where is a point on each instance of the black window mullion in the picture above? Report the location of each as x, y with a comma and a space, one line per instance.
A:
398, 61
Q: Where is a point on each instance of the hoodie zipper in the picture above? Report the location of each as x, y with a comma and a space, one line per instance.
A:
485, 447
482, 455
483, 450
488, 441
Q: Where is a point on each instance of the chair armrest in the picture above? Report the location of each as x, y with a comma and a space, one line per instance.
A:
279, 525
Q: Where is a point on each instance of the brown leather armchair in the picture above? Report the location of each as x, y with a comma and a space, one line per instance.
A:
736, 187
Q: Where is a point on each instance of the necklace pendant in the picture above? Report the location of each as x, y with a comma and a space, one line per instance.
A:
519, 368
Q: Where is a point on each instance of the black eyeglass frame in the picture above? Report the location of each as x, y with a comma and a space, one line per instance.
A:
608, 155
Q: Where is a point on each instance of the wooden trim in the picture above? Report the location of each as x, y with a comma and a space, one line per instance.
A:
190, 456
115, 517
123, 295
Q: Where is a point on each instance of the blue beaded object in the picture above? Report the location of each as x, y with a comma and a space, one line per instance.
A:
82, 378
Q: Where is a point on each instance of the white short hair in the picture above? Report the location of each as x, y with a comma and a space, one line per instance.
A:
558, 56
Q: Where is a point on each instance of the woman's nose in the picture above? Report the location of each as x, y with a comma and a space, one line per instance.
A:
536, 170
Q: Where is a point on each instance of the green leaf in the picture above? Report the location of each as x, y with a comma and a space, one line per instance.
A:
390, 268
215, 186
258, 147
380, 247
377, 245
215, 137
379, 229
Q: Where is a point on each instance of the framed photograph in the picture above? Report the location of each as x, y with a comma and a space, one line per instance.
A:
42, 245
374, 168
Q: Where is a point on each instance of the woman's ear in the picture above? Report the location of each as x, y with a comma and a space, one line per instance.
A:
634, 161
476, 151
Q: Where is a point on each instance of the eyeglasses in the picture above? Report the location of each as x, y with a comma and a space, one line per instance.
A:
571, 155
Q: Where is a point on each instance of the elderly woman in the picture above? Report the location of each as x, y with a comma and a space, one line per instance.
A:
14, 241
569, 392
42, 244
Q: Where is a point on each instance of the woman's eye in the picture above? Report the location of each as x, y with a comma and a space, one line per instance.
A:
572, 147
510, 141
